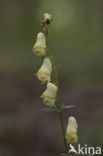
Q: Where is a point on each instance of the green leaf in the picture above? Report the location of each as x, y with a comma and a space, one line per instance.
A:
67, 106
48, 109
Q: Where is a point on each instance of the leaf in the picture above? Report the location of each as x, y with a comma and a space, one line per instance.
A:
48, 109
67, 106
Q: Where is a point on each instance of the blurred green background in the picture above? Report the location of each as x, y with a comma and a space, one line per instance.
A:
77, 33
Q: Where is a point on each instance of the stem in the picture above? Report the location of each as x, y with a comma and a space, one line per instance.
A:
76, 147
58, 93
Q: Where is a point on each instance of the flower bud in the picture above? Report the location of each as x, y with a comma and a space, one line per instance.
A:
44, 73
71, 131
40, 45
49, 95
47, 18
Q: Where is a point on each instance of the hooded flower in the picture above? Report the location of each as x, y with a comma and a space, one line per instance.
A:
47, 18
71, 131
44, 73
49, 95
40, 45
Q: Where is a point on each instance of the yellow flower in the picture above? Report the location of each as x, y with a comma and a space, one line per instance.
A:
49, 95
47, 18
71, 131
40, 45
44, 73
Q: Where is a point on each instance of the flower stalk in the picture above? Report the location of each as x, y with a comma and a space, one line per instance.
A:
52, 92
58, 92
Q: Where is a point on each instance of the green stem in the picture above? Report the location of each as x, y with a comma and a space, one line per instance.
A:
76, 147
58, 93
